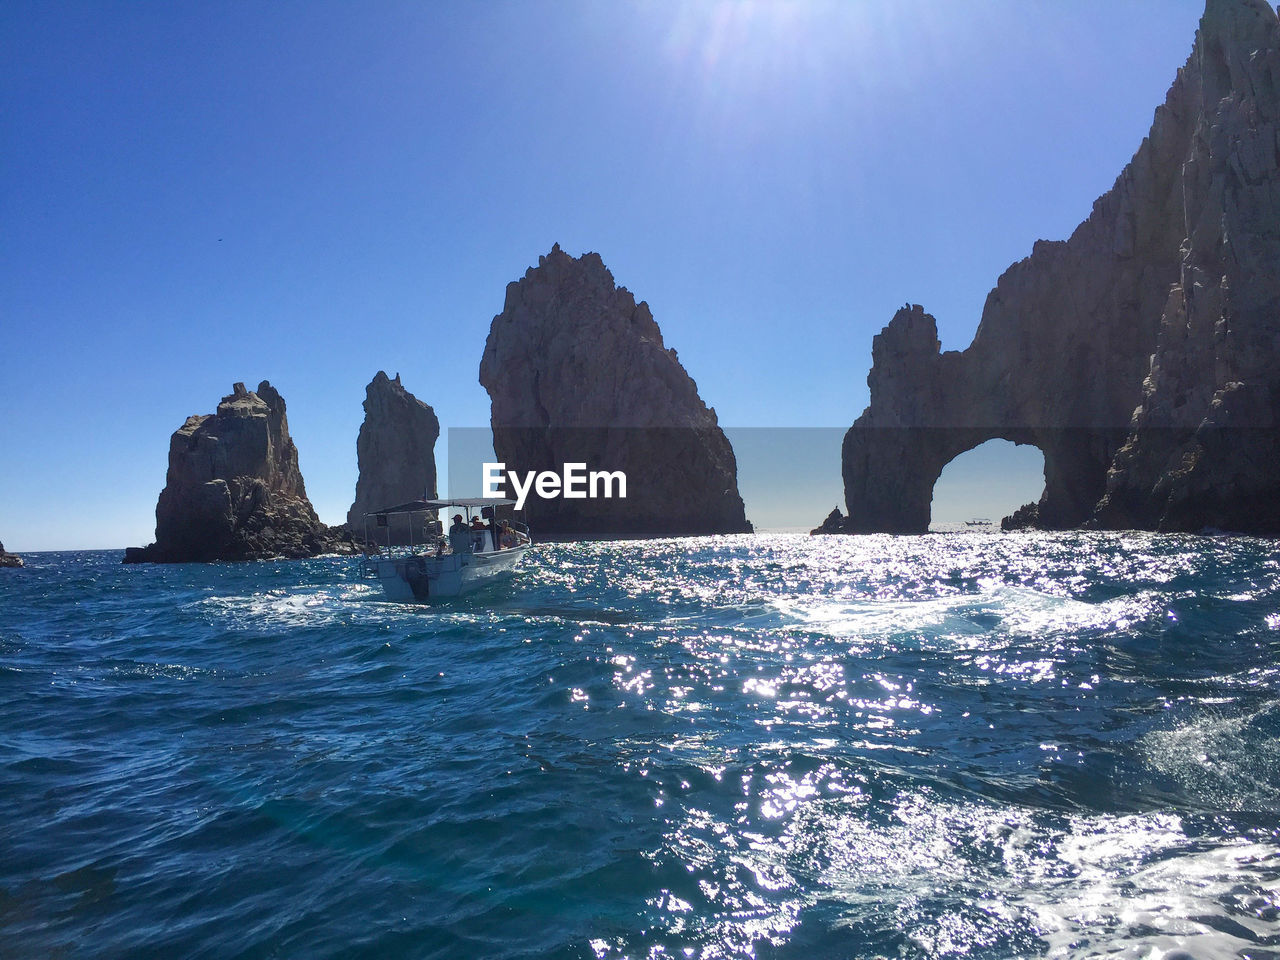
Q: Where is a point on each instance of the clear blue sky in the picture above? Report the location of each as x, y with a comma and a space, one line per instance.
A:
307, 192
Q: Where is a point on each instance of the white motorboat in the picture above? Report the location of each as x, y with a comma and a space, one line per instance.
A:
484, 551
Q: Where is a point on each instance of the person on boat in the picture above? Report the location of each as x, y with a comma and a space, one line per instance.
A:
478, 530
459, 536
508, 538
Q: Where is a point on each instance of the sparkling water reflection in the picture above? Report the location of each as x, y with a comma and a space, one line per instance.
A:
963, 745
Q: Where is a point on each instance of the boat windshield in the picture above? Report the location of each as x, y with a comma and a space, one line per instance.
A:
490, 525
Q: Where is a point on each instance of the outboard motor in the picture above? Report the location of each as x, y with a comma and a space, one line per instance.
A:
415, 574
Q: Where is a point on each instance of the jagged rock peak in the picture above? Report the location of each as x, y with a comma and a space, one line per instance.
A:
577, 371
396, 453
233, 490
567, 318
1133, 354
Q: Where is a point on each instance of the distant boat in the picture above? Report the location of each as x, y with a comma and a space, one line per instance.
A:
435, 569
978, 523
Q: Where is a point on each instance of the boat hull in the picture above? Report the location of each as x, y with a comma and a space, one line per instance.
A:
424, 578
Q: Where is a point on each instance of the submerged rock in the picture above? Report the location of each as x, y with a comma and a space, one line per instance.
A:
396, 454
9, 559
577, 372
1140, 356
234, 491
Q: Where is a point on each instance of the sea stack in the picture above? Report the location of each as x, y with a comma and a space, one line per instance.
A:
9, 559
1140, 355
234, 490
577, 372
397, 458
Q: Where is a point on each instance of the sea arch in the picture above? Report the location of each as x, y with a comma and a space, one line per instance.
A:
890, 472
1071, 398
991, 481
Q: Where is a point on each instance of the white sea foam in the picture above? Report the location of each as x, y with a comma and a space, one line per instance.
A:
1223, 760
996, 612
1142, 888
309, 607
1135, 887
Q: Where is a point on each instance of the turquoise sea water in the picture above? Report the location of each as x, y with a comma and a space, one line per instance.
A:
943, 746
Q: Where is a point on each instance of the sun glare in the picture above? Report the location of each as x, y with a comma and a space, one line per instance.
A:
770, 42
764, 66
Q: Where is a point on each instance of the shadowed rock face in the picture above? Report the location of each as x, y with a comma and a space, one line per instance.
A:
9, 559
396, 453
1138, 355
1204, 449
233, 490
577, 372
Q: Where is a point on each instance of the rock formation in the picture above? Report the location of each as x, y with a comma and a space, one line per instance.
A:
9, 559
1204, 448
1026, 517
1140, 354
396, 454
834, 523
577, 372
234, 490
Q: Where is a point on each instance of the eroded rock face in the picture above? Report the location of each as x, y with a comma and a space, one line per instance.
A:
233, 490
396, 453
1204, 448
577, 372
1138, 355
9, 559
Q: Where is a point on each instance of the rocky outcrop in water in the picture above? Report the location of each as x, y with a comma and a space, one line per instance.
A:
9, 559
234, 491
1026, 517
577, 372
1140, 354
834, 523
396, 454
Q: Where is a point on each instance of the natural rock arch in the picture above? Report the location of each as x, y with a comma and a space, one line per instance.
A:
934, 406
992, 480
1138, 355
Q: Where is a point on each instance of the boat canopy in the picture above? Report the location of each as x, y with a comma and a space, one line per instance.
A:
472, 502
414, 506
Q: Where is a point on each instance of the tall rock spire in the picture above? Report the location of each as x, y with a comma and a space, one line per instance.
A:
396, 453
577, 371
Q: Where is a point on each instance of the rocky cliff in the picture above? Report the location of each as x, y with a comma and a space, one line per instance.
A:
396, 454
1204, 446
577, 372
233, 490
1140, 354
